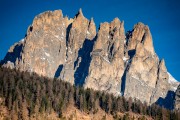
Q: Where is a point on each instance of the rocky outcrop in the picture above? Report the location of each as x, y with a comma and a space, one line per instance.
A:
141, 73
141, 34
45, 38
162, 85
81, 30
177, 98
107, 65
11, 58
163, 94
71, 50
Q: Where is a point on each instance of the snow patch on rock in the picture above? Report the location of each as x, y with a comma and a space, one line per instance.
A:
171, 79
125, 58
173, 82
88, 32
47, 54
22, 40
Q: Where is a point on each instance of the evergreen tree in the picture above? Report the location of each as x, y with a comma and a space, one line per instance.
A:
28, 94
81, 107
24, 111
109, 103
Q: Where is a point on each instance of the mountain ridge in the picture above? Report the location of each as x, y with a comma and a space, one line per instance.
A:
107, 59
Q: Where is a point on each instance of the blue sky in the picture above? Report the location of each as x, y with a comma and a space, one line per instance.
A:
162, 16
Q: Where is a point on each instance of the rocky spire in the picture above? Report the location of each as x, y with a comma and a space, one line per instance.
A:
76, 41
141, 33
107, 65
162, 72
79, 14
46, 18
91, 32
143, 65
78, 31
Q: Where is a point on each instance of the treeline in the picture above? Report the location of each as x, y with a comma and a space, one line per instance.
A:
29, 94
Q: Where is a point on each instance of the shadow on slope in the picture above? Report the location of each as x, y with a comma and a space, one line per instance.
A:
131, 53
123, 83
168, 101
82, 63
67, 32
58, 71
12, 56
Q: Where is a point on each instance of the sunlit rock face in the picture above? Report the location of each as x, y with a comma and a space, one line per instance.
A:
44, 47
109, 60
141, 72
107, 65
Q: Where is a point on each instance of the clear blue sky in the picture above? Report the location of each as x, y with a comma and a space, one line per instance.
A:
162, 16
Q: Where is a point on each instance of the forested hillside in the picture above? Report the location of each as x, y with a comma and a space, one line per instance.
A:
28, 95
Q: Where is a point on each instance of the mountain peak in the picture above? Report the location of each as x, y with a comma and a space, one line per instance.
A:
91, 32
79, 14
72, 50
162, 65
92, 20
162, 74
142, 34
80, 11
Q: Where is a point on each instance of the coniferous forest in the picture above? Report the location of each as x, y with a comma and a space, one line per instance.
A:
27, 94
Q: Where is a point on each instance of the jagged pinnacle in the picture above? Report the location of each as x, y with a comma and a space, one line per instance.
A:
92, 19
80, 11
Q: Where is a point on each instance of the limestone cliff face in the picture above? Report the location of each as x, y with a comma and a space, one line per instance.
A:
45, 44
141, 34
162, 85
142, 68
81, 30
44, 47
107, 65
109, 60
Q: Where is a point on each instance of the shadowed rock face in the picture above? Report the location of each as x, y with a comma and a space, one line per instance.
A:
168, 101
109, 60
177, 98
82, 29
